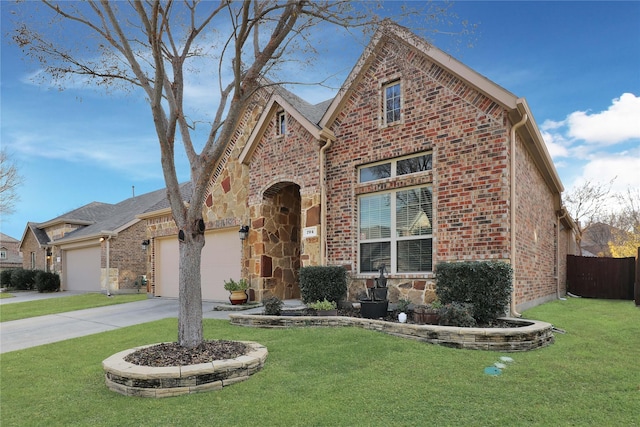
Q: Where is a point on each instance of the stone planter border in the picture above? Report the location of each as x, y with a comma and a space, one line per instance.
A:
531, 335
146, 381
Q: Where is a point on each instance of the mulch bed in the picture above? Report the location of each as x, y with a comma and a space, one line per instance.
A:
172, 354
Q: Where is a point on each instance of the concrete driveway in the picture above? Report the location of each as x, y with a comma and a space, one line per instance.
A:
25, 333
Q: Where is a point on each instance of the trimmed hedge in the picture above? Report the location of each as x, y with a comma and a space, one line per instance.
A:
5, 277
47, 282
485, 285
318, 283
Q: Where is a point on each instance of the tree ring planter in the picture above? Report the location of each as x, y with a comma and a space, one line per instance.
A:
373, 309
147, 381
525, 335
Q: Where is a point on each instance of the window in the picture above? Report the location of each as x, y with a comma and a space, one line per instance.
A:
391, 104
33, 260
3, 253
396, 167
395, 229
282, 123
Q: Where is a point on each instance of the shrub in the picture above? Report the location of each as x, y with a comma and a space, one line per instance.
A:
272, 306
318, 283
47, 282
22, 279
5, 278
323, 305
457, 314
485, 285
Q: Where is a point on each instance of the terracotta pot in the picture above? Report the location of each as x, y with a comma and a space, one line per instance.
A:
238, 297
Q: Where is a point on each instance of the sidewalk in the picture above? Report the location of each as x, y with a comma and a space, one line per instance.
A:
25, 333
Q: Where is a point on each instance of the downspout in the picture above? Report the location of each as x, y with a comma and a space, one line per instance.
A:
323, 202
558, 218
515, 127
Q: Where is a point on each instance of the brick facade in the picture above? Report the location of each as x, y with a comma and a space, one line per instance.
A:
273, 181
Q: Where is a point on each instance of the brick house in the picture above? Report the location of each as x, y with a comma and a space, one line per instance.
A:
10, 256
417, 160
95, 248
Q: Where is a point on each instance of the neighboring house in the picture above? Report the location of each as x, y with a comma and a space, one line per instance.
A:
97, 247
10, 256
418, 160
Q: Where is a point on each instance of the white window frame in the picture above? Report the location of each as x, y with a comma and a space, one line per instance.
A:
394, 166
393, 239
281, 123
386, 86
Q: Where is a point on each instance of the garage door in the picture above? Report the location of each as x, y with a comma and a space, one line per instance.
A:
82, 269
220, 261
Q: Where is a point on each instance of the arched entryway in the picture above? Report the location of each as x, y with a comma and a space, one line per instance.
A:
280, 235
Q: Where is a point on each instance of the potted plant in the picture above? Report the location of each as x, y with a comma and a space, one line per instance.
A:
427, 314
377, 304
238, 291
324, 307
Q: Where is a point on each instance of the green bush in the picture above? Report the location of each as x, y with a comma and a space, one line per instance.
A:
485, 285
318, 283
5, 278
457, 314
272, 306
22, 279
47, 282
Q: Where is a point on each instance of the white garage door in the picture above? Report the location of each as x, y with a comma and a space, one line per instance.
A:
82, 267
220, 261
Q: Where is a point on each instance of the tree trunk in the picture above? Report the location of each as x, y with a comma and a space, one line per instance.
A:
190, 298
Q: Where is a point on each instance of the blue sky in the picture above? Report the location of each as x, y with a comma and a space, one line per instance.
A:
576, 63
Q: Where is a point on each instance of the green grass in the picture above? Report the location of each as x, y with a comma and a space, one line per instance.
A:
351, 377
6, 295
23, 310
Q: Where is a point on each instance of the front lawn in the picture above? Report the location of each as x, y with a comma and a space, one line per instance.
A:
23, 310
352, 377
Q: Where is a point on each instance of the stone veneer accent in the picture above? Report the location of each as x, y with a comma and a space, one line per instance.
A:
533, 334
146, 381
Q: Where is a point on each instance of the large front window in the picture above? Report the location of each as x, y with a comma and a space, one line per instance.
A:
395, 229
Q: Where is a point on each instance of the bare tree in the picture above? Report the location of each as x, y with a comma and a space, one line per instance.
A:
587, 205
10, 180
151, 46
625, 239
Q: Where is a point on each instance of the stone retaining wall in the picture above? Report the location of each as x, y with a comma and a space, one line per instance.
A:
146, 381
531, 335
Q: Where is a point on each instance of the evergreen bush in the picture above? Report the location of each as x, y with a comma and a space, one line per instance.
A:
272, 306
318, 283
47, 282
22, 279
457, 314
5, 278
485, 285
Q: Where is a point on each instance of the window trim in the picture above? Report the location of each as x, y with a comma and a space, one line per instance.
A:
394, 168
393, 239
281, 123
384, 122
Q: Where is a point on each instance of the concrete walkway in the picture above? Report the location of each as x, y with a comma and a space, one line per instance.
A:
25, 333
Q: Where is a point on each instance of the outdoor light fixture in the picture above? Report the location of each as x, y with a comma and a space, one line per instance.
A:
243, 232
145, 243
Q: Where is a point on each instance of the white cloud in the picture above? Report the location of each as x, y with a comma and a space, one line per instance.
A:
556, 144
620, 122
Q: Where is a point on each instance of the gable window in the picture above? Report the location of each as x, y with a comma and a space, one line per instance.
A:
392, 102
3, 253
395, 229
396, 167
33, 260
281, 124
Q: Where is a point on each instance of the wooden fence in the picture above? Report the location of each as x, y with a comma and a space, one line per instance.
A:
607, 278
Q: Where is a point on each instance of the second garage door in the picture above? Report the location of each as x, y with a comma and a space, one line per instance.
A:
82, 269
220, 261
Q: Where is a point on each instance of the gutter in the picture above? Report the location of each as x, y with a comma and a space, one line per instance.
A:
525, 117
564, 213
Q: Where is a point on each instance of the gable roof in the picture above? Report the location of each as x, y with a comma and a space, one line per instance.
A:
116, 218
308, 115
